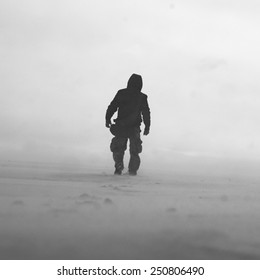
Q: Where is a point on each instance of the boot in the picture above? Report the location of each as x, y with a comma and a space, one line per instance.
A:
118, 172
119, 167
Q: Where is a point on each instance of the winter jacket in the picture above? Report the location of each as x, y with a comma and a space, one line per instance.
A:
130, 102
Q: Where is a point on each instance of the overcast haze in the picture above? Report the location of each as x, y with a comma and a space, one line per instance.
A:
62, 62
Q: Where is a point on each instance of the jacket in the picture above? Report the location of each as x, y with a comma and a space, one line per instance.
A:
129, 102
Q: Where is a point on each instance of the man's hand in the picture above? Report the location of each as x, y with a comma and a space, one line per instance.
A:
108, 124
146, 130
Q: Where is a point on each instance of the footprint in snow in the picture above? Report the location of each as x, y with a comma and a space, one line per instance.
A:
18, 202
171, 210
108, 201
86, 199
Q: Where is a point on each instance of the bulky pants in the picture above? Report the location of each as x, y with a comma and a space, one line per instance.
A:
118, 147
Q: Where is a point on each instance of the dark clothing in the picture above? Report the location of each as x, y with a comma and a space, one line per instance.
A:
132, 108
119, 145
127, 101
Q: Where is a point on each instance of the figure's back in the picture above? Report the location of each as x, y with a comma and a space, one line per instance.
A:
128, 101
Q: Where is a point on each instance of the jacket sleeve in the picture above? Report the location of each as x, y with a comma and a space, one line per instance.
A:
112, 108
145, 110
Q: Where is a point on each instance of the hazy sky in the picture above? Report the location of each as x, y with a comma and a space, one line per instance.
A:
62, 61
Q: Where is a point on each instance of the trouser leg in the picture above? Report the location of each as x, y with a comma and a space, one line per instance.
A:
118, 146
135, 150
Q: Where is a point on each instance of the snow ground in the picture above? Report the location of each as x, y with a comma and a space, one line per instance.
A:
53, 212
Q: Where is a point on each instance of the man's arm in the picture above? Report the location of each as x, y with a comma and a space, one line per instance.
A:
111, 109
146, 116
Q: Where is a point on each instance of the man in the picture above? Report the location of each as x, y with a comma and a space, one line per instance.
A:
132, 108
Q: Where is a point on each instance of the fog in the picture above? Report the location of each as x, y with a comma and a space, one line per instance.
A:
62, 62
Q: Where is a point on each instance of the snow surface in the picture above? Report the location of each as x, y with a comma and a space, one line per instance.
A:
48, 211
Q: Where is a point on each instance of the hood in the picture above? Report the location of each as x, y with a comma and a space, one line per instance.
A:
135, 82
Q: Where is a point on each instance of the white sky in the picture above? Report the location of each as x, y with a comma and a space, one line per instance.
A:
62, 61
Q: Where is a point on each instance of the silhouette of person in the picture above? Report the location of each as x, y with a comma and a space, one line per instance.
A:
132, 108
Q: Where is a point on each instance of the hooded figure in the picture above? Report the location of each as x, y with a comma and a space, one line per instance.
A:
135, 82
132, 108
